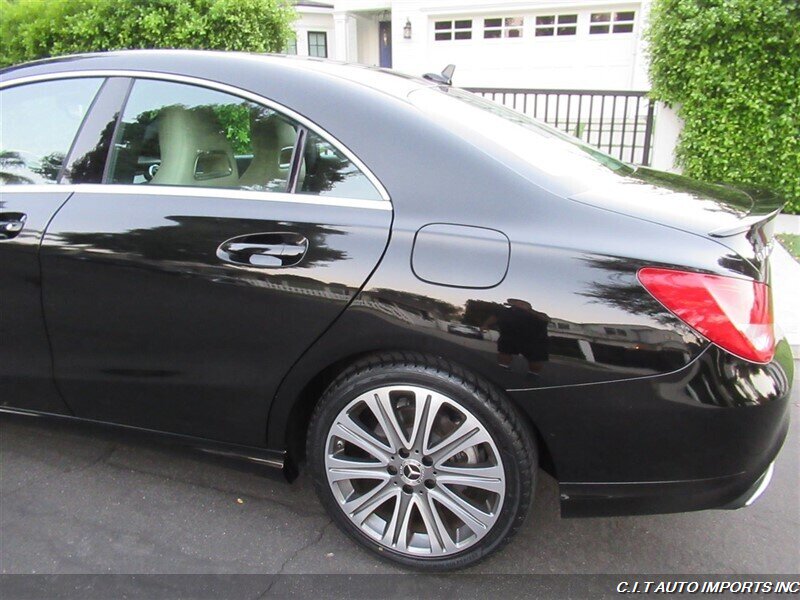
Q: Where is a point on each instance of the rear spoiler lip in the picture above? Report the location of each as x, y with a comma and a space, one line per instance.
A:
745, 224
766, 205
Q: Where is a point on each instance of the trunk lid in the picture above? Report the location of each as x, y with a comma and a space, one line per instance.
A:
740, 218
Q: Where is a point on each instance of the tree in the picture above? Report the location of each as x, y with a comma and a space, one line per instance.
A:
732, 69
32, 29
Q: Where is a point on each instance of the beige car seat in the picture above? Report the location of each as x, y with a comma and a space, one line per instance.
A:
194, 150
270, 136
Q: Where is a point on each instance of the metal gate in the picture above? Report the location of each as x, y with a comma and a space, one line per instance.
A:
617, 122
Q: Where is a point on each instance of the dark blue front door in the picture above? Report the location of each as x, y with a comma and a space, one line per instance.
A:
385, 43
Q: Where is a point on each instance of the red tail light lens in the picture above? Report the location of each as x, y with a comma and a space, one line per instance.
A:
735, 314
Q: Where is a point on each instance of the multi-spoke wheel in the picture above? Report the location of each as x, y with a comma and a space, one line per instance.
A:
420, 463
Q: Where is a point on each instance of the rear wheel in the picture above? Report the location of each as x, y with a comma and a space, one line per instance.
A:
420, 461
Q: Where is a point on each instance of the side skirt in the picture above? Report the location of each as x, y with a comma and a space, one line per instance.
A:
272, 463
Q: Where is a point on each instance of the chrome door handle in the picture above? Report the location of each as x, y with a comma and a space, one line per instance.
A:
11, 224
273, 249
264, 249
295, 250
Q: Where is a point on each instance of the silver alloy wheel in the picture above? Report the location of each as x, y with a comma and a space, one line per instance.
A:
415, 470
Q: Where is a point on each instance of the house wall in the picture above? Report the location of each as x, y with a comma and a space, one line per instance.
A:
368, 51
581, 61
668, 126
314, 21
584, 61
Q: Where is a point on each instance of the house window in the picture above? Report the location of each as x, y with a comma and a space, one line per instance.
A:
505, 27
453, 30
318, 44
291, 46
618, 22
550, 25
615, 331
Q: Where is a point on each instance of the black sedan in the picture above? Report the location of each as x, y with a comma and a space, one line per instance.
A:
419, 295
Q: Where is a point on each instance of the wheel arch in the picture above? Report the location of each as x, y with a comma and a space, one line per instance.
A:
301, 390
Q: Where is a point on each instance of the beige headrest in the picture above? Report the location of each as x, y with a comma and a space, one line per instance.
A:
269, 134
194, 150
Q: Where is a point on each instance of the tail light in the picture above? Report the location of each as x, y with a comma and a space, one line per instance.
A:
735, 314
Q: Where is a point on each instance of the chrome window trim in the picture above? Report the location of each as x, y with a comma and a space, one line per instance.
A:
193, 192
221, 87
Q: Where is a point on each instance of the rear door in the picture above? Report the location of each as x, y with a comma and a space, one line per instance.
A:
226, 237
38, 123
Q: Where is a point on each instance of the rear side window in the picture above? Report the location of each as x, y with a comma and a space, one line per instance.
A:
38, 123
325, 171
186, 135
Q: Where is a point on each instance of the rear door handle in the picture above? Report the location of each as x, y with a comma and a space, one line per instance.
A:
11, 224
280, 249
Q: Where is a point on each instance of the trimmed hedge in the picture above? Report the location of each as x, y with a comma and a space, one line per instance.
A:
31, 29
732, 69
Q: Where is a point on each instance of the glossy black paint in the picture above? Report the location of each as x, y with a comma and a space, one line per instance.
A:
705, 433
438, 246
26, 374
150, 326
178, 339
735, 217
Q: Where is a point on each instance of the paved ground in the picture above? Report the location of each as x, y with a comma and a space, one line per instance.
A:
73, 501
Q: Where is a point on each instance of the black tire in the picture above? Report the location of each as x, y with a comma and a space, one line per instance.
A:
501, 419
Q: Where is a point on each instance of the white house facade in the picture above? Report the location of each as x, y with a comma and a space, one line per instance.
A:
575, 45
564, 44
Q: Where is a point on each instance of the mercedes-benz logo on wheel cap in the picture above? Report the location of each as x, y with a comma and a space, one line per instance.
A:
412, 471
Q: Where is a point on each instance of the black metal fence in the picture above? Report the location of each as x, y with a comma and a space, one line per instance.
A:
617, 122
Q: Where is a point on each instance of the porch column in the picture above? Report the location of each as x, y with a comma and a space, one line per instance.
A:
346, 31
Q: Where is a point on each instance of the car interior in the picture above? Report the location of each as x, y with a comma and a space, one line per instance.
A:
189, 147
272, 141
224, 142
193, 149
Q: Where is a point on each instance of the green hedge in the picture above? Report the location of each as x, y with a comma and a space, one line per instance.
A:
31, 29
732, 69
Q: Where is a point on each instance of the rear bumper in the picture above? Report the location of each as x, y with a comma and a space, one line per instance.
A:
754, 493
702, 437
615, 499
